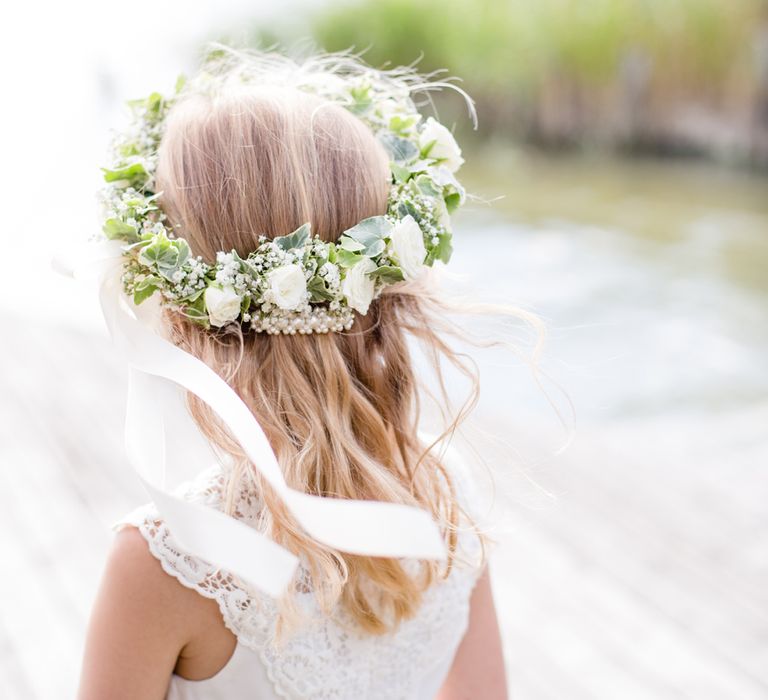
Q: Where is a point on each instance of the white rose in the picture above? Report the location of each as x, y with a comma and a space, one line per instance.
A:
444, 146
358, 286
407, 242
288, 286
222, 304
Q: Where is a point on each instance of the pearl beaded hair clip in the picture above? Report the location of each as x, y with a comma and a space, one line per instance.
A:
296, 283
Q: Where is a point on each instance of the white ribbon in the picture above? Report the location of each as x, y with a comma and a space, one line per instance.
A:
371, 528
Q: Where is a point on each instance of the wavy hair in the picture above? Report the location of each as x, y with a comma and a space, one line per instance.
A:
240, 158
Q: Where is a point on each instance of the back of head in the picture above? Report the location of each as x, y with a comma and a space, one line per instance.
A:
340, 409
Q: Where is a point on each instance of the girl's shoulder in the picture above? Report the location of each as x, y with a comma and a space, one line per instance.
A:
208, 488
247, 612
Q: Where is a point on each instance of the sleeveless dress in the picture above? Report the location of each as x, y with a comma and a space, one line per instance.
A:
328, 658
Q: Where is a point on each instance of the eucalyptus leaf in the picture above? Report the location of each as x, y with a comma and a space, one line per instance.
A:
350, 244
401, 150
375, 247
378, 225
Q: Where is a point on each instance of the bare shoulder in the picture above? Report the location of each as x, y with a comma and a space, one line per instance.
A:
145, 625
133, 569
135, 574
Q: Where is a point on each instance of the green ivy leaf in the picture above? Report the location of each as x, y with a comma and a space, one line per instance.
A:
114, 228
406, 208
294, 240
427, 186
400, 172
318, 289
196, 311
127, 150
442, 251
347, 259
361, 96
131, 172
142, 295
387, 273
452, 201
182, 248
162, 254
399, 124
154, 104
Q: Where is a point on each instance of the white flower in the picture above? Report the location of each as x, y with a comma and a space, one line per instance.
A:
330, 272
358, 286
288, 286
444, 146
407, 242
222, 304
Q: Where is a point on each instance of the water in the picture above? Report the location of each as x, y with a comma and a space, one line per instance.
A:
650, 570
655, 297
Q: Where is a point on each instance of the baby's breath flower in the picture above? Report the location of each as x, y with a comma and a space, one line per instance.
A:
296, 283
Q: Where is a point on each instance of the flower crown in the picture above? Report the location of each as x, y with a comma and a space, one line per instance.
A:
296, 283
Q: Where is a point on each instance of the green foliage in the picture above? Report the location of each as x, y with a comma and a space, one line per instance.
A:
294, 240
367, 237
400, 150
515, 45
388, 274
114, 228
567, 72
164, 255
131, 172
319, 289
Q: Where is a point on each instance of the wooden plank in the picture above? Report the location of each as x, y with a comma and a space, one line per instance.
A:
644, 577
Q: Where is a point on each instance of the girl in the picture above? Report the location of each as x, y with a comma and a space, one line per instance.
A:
311, 330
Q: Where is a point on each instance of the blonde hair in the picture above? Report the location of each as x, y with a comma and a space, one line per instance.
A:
341, 411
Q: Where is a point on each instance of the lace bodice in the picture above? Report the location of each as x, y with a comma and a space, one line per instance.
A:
329, 658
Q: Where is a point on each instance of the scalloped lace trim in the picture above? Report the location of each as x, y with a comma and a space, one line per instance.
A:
329, 659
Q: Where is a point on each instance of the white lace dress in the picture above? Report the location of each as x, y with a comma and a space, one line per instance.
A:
327, 659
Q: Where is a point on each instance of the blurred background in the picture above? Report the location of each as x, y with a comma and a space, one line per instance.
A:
619, 172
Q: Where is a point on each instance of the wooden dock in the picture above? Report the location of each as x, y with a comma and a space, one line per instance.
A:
635, 568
